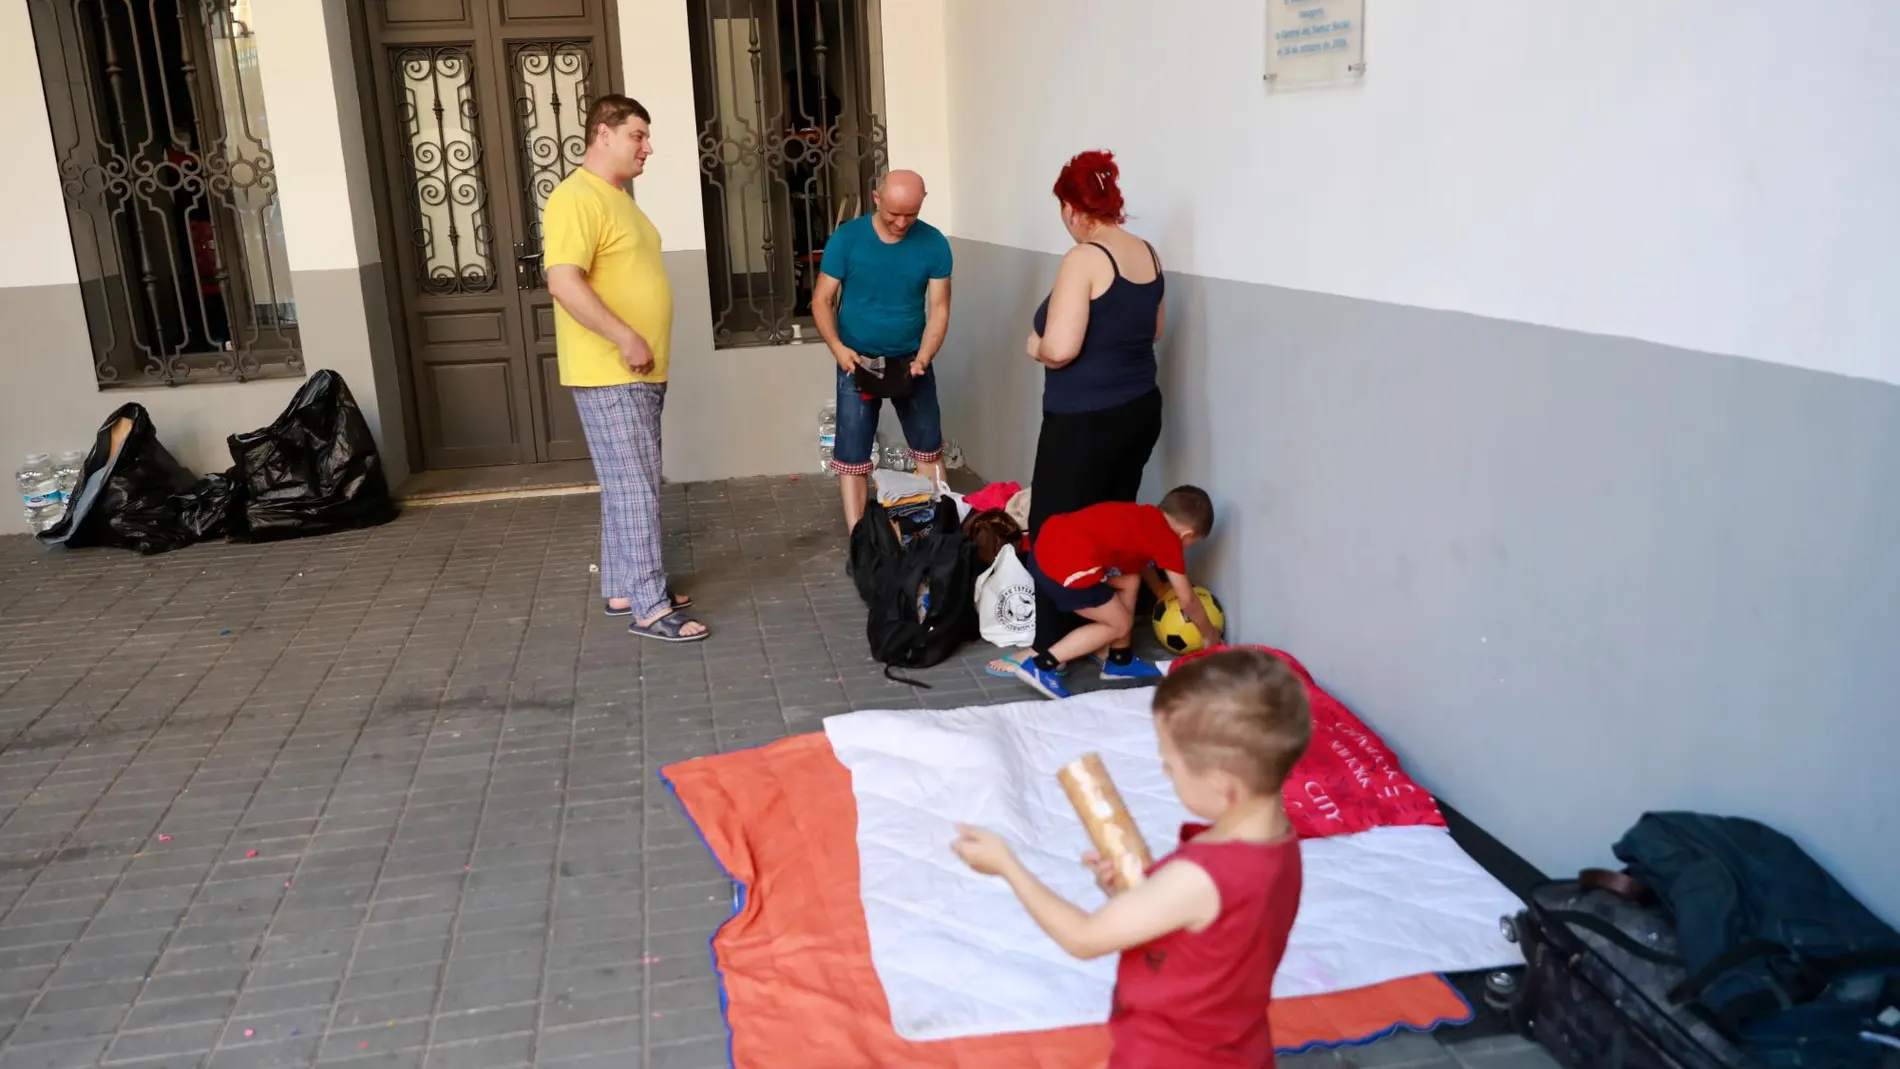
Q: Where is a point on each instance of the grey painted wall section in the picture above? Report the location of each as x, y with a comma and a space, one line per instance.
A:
1569, 577
736, 413
58, 406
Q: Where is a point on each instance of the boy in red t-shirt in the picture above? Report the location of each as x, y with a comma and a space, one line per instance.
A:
1090, 562
1202, 936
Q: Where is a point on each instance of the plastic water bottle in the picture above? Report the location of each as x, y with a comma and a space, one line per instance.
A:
39, 492
827, 436
67, 468
898, 458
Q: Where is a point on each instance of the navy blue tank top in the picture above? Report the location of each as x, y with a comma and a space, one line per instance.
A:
1117, 361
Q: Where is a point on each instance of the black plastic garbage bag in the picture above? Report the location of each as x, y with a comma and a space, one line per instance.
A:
314, 471
128, 493
209, 507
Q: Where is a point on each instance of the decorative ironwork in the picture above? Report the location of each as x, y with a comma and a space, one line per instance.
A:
790, 144
165, 166
552, 95
442, 147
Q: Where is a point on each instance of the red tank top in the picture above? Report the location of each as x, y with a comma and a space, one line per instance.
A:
1198, 1000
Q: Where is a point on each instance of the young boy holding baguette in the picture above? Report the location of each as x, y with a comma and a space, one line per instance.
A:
1201, 936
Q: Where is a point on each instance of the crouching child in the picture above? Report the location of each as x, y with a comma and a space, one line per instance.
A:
1090, 562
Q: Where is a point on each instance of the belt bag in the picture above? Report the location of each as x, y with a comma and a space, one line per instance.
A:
884, 376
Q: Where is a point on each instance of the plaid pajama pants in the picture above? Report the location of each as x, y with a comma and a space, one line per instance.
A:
623, 434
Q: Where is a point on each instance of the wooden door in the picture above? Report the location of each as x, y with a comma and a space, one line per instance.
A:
482, 107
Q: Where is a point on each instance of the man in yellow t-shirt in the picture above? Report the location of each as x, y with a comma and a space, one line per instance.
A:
613, 327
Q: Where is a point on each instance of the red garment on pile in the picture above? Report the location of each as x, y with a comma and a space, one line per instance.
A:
993, 496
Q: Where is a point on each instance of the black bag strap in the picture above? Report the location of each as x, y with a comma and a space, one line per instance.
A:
890, 673
1592, 922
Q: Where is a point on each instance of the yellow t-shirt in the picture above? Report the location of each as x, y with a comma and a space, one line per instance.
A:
592, 225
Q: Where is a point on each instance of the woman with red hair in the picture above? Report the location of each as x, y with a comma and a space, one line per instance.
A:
1095, 338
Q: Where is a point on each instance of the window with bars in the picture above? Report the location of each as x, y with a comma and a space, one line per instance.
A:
157, 116
791, 139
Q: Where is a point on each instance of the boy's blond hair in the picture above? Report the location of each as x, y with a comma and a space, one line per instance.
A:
1243, 711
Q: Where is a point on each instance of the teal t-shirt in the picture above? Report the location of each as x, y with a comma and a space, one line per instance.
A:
881, 309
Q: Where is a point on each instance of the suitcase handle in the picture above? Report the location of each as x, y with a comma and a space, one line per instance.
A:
1620, 884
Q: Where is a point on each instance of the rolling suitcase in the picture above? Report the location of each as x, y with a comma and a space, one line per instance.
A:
1594, 1003
1722, 945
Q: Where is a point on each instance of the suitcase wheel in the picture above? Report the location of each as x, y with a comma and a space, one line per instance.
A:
1501, 990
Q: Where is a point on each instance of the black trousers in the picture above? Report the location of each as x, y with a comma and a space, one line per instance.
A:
1083, 459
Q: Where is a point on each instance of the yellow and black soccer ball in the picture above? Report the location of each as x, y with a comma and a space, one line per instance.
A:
1175, 631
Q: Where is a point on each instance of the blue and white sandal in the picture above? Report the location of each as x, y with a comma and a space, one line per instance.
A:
1048, 684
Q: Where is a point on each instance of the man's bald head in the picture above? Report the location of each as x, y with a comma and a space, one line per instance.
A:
903, 188
900, 196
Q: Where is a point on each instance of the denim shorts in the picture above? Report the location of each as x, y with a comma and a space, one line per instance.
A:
857, 424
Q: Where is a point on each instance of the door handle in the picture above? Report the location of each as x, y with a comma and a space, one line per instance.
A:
526, 264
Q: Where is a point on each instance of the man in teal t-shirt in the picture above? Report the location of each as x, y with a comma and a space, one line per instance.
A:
892, 272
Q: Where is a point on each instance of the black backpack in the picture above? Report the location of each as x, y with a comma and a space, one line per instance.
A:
1780, 957
921, 597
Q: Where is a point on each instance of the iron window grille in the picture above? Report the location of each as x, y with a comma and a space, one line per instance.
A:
791, 140
448, 198
553, 86
165, 166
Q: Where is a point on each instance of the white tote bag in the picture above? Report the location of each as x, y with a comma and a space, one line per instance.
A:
1006, 602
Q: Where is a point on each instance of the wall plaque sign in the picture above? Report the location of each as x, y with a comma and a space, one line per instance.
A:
1315, 42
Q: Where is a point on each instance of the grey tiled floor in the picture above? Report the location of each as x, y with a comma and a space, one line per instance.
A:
388, 798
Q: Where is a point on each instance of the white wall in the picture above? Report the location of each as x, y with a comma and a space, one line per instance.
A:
917, 100
316, 133
657, 70
1711, 174
38, 247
